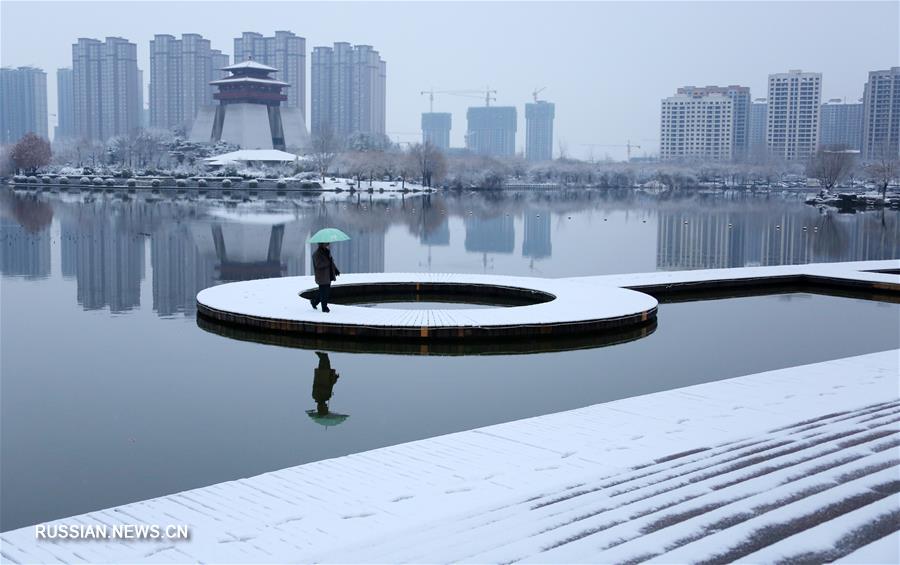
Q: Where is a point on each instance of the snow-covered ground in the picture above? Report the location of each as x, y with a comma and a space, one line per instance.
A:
795, 464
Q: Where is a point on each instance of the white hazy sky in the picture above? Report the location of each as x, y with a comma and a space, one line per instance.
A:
605, 65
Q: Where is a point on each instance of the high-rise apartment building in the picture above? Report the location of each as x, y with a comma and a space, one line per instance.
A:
180, 73
65, 105
436, 129
792, 121
284, 51
696, 126
23, 103
108, 97
841, 124
539, 130
881, 114
756, 132
740, 112
491, 130
348, 90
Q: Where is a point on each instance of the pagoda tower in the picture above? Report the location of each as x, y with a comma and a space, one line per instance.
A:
249, 112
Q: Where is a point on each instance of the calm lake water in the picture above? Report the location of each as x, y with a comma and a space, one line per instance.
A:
112, 393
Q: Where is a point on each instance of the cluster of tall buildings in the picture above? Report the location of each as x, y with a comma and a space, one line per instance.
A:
491, 130
724, 123
102, 94
23, 107
348, 90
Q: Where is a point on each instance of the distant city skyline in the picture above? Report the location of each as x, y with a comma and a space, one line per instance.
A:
620, 58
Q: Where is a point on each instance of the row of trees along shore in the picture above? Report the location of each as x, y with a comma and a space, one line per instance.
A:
370, 157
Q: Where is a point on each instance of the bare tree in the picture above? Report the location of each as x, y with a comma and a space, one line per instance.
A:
884, 169
31, 152
429, 161
324, 148
831, 166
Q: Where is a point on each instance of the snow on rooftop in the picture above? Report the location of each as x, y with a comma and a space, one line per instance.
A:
249, 64
238, 80
252, 155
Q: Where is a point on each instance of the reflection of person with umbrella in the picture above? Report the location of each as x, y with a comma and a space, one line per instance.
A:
324, 378
323, 264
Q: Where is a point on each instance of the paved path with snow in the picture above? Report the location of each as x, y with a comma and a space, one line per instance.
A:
795, 464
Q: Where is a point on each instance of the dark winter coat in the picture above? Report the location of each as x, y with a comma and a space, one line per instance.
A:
324, 267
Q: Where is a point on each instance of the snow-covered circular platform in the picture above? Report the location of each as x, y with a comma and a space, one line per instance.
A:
554, 307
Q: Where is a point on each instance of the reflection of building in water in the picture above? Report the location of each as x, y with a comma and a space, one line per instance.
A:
364, 253
754, 238
22, 253
537, 244
180, 271
436, 233
267, 247
490, 235
107, 260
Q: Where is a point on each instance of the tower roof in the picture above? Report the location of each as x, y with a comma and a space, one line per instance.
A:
249, 64
248, 80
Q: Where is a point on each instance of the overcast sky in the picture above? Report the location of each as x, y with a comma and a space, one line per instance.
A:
605, 65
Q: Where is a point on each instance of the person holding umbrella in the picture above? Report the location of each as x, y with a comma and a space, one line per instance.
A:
323, 264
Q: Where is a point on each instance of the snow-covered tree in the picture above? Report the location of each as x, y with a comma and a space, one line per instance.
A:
884, 169
831, 166
429, 162
324, 148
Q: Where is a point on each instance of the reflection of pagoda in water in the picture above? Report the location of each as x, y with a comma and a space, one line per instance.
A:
23, 253
266, 245
490, 235
760, 237
231, 247
537, 244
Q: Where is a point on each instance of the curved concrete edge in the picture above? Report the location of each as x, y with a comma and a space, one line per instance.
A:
273, 305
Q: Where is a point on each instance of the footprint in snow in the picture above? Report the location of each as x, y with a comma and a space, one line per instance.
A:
456, 490
364, 515
399, 498
683, 420
633, 438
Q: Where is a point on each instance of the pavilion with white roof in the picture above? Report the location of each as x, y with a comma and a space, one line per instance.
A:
249, 113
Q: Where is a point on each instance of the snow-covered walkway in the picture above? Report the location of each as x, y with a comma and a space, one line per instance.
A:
796, 463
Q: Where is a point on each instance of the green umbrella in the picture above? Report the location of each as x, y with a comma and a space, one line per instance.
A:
330, 419
328, 235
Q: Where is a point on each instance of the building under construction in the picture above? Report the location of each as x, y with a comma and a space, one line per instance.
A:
539, 130
492, 130
436, 129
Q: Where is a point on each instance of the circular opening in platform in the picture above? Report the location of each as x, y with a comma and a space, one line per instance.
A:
430, 296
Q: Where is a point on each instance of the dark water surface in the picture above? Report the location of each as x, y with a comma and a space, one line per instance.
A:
111, 393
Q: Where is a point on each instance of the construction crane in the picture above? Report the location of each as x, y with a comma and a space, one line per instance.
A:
628, 147
538, 91
486, 93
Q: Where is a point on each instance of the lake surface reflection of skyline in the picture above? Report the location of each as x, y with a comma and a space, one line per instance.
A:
103, 244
